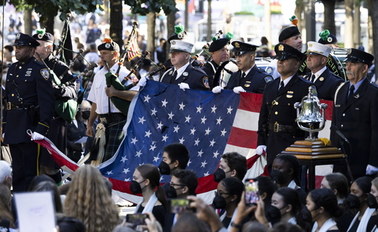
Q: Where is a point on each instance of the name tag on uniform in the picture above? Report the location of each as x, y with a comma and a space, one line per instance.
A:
337, 105
357, 108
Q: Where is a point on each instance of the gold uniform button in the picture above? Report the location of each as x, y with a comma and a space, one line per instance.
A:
276, 113
12, 94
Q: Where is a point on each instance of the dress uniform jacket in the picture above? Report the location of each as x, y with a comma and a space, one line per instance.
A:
357, 119
326, 85
277, 127
29, 101
195, 77
210, 68
254, 82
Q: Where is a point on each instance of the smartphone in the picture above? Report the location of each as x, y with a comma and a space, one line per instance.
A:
251, 192
179, 205
136, 219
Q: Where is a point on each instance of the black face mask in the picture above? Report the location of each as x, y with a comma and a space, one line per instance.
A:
219, 175
171, 192
219, 202
371, 201
164, 168
352, 202
277, 176
135, 187
85, 114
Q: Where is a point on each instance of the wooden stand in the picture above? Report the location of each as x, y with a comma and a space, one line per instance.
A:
311, 153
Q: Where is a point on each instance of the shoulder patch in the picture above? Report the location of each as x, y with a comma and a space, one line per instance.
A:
45, 73
205, 82
268, 79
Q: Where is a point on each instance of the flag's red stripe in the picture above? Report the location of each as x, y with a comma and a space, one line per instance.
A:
242, 138
329, 110
250, 102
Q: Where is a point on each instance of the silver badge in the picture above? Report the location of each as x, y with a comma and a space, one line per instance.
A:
107, 45
40, 36
185, 74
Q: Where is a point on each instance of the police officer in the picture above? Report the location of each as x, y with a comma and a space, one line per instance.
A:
325, 81
64, 91
355, 115
182, 72
219, 54
249, 78
29, 105
277, 126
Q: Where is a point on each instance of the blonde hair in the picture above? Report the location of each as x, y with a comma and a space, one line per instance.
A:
375, 182
88, 199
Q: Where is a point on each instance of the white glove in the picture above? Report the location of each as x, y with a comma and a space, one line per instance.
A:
238, 89
142, 82
370, 169
261, 150
183, 86
217, 89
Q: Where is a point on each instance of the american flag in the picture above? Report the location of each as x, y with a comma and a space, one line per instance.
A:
132, 47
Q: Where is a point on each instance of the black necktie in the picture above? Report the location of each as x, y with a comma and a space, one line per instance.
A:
281, 85
312, 78
243, 75
173, 77
351, 93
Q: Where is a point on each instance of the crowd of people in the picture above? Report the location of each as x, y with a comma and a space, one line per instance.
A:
84, 116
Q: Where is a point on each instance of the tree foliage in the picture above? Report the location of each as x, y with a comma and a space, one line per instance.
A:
143, 7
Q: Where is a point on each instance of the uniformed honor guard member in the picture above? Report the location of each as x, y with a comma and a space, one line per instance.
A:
249, 78
328, 39
182, 72
325, 81
219, 54
277, 126
64, 91
355, 115
29, 105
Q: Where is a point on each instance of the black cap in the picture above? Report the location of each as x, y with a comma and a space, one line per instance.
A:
218, 44
327, 38
48, 37
284, 52
358, 56
288, 32
25, 40
108, 44
179, 33
241, 48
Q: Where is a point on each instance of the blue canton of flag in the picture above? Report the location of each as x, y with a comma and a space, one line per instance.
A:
163, 114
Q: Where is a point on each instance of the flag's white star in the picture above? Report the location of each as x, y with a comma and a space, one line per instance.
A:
176, 128
203, 164
134, 140
156, 158
124, 158
142, 120
189, 162
138, 153
153, 112
126, 170
219, 120
181, 105
229, 110
199, 109
164, 103
160, 125
146, 99
200, 152
127, 179
152, 147
164, 139
182, 140
196, 142
212, 142
109, 173
203, 120
192, 131
187, 118
215, 154
206, 173
147, 134
213, 109
207, 131
170, 115
223, 132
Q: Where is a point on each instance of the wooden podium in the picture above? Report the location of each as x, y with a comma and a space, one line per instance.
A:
311, 153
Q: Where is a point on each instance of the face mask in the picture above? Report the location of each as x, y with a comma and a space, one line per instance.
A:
352, 202
171, 192
135, 187
219, 175
219, 202
372, 202
277, 176
85, 114
164, 168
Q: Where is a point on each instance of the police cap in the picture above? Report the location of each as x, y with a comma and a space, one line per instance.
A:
25, 40
240, 48
358, 56
284, 52
108, 44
